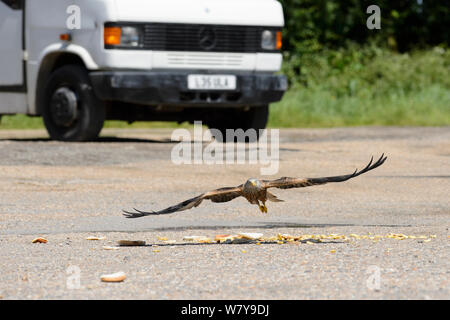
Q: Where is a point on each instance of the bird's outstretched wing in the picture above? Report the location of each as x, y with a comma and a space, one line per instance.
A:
287, 183
218, 195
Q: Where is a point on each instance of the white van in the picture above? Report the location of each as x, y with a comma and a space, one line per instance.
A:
78, 63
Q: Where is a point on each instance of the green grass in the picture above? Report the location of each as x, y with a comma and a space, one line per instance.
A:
319, 108
21, 121
346, 87
366, 86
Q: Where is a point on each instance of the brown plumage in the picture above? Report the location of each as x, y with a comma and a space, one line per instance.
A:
255, 191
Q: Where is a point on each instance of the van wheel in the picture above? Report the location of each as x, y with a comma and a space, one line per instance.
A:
71, 111
255, 118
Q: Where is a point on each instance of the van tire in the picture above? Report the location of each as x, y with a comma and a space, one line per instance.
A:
71, 111
254, 118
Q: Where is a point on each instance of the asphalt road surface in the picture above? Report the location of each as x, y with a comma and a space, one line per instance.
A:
384, 235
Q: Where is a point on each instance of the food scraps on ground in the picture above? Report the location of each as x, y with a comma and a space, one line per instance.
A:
113, 277
39, 240
95, 238
131, 243
110, 248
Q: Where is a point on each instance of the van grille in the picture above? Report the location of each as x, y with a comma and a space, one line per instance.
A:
202, 38
193, 59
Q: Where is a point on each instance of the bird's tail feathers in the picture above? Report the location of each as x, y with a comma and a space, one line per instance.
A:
272, 197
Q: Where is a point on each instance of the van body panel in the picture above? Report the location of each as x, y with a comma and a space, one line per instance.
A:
230, 12
13, 102
11, 52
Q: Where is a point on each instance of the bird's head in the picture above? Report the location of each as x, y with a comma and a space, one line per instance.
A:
253, 183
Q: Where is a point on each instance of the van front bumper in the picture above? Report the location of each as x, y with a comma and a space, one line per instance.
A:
171, 88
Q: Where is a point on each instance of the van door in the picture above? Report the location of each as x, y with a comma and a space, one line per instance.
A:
11, 45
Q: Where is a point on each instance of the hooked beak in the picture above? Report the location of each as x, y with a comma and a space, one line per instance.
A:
253, 183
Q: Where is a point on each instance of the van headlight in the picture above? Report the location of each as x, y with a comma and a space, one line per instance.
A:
271, 40
116, 36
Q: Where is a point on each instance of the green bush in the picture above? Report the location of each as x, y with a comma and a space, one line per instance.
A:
366, 85
313, 25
